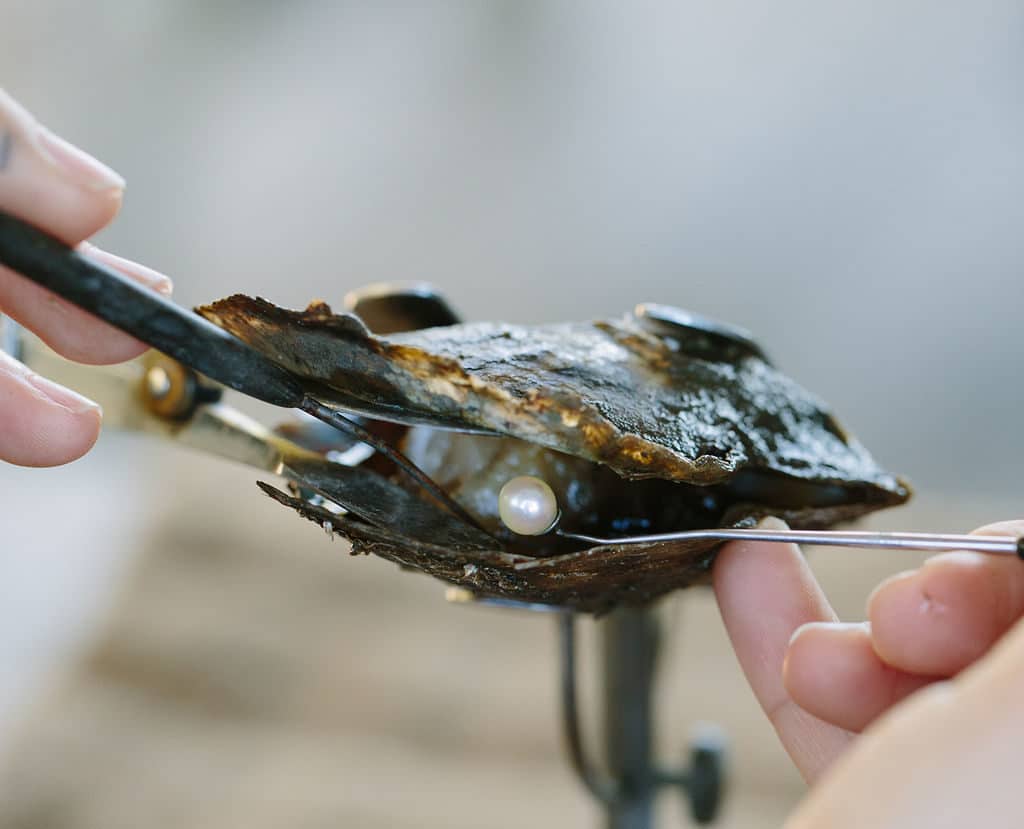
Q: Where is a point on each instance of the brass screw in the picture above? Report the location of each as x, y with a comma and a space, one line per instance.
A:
169, 389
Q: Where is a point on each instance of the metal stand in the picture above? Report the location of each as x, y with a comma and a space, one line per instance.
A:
630, 640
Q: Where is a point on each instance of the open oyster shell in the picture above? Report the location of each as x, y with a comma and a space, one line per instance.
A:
650, 421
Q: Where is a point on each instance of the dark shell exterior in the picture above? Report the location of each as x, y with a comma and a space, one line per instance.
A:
645, 403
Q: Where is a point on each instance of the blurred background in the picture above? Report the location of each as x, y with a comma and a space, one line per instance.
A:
842, 179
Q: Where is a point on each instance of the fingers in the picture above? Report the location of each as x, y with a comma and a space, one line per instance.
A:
63, 191
60, 189
41, 423
44, 424
946, 757
941, 618
765, 592
833, 672
925, 624
95, 342
49, 182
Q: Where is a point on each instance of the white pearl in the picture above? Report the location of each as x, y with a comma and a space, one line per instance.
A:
527, 506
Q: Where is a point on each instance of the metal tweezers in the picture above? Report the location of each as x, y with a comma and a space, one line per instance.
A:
177, 399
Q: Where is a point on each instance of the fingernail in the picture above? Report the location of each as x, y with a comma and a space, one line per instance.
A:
964, 558
903, 575
63, 397
77, 164
800, 630
772, 522
140, 273
841, 627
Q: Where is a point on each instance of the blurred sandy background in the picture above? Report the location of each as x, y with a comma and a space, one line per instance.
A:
843, 179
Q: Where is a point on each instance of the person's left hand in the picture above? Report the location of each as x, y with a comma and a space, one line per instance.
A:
64, 191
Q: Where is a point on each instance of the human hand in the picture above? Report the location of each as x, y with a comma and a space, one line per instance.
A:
60, 189
833, 680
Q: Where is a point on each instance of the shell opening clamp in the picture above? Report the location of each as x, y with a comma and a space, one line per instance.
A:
186, 337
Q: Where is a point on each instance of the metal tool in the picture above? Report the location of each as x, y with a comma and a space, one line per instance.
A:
174, 395
186, 337
528, 506
932, 542
630, 643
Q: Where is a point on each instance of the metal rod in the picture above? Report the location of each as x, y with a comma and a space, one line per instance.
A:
154, 319
630, 639
996, 544
602, 788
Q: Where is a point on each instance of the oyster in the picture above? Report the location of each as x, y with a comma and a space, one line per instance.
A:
653, 422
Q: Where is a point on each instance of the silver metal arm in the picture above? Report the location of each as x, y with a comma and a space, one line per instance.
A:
997, 544
129, 391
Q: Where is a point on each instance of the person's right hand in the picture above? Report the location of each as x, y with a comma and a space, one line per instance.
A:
822, 681
948, 755
924, 626
60, 189
941, 718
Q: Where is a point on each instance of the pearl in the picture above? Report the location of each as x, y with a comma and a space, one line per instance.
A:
527, 506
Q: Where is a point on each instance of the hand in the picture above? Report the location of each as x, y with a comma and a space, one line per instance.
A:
60, 189
943, 757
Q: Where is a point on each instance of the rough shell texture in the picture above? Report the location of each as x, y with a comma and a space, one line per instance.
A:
593, 580
606, 391
611, 392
